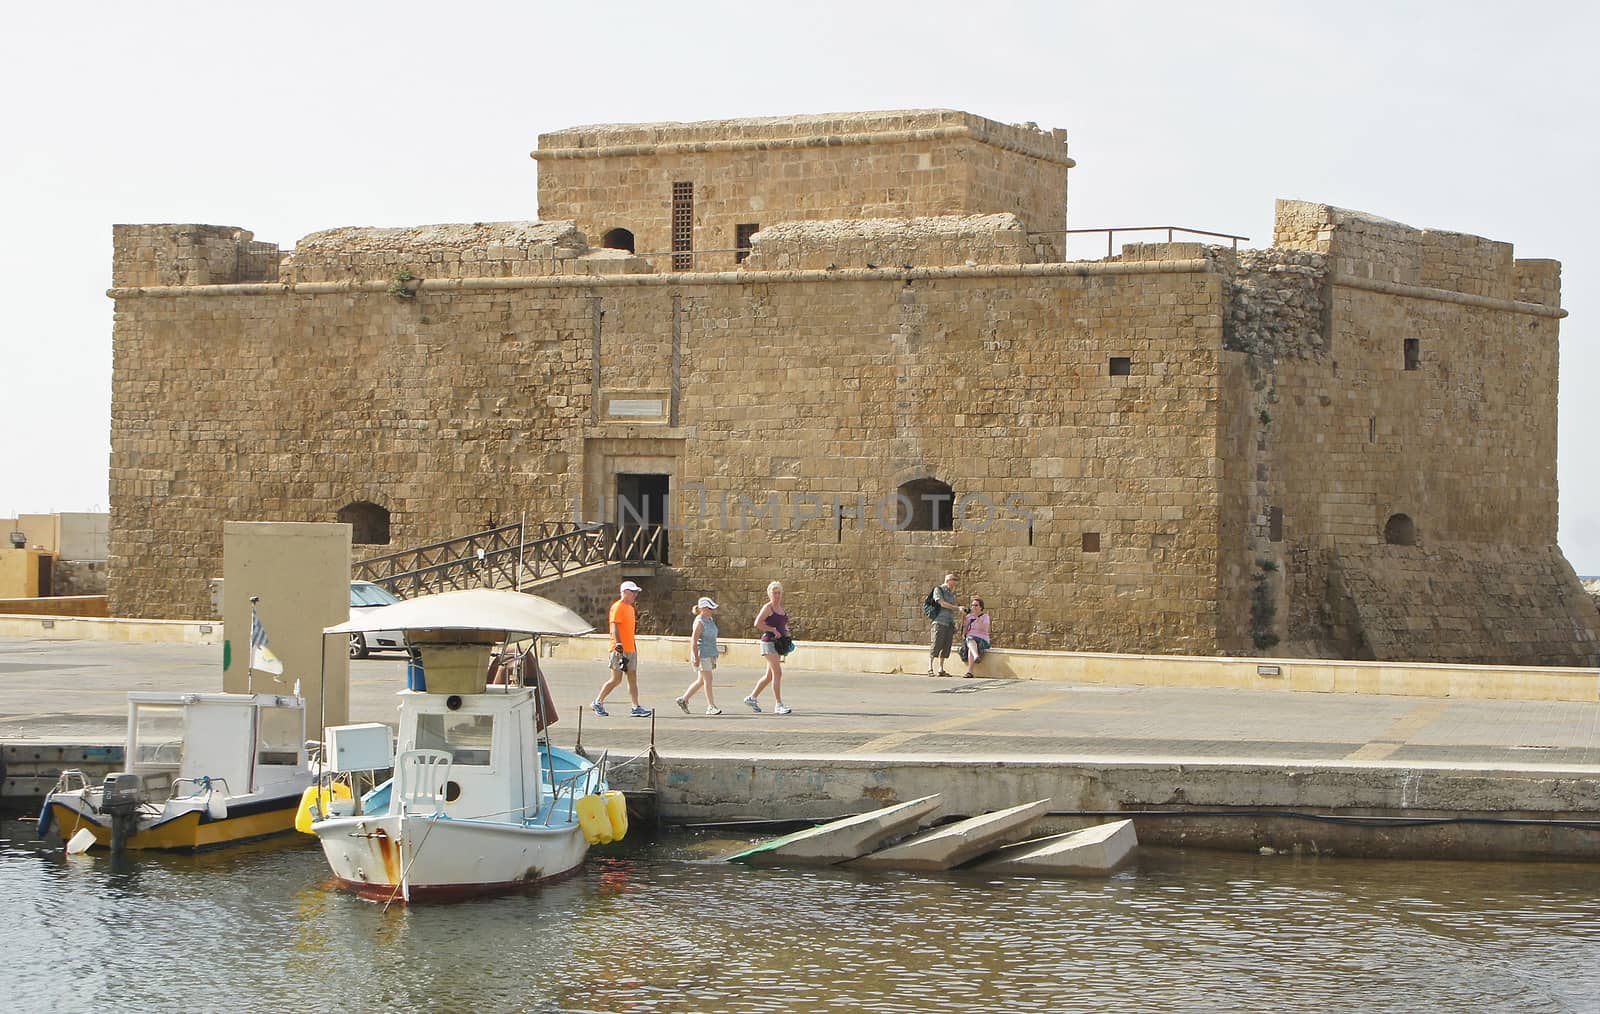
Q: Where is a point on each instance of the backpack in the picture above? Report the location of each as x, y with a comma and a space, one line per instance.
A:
930, 605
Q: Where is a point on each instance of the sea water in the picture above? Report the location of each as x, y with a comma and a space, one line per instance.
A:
657, 924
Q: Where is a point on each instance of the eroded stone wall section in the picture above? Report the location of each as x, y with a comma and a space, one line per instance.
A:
479, 250
891, 243
144, 255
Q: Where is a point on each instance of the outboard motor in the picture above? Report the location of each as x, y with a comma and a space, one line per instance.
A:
121, 798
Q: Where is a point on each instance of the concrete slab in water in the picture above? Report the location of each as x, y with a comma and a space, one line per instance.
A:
840, 840
953, 844
1089, 851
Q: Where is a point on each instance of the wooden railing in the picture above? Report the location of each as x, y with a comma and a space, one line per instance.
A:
512, 556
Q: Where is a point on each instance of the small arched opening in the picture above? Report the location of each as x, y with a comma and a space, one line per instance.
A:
1400, 530
925, 505
369, 523
617, 239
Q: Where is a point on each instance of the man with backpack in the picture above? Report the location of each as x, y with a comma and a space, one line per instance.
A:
940, 607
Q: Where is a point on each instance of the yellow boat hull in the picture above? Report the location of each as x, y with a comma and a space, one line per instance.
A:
191, 830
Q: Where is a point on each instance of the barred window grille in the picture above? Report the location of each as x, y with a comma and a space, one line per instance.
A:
682, 226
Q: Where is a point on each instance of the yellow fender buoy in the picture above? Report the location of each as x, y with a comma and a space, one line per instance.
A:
593, 819
321, 798
617, 813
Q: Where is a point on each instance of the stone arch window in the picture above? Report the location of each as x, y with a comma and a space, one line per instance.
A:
926, 505
369, 523
1400, 530
618, 239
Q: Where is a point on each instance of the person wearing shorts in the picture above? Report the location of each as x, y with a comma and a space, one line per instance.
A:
624, 620
773, 623
703, 652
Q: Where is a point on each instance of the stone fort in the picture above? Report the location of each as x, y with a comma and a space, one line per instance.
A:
846, 351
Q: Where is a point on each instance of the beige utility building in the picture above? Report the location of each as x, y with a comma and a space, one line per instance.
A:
844, 351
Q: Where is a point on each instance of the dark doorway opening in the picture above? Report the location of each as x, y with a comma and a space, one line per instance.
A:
925, 505
618, 239
642, 505
369, 523
1400, 530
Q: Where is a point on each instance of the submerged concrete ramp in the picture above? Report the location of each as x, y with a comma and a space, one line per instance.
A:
953, 844
840, 840
1086, 852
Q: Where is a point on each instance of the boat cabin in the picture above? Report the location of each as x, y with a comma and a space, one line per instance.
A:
493, 748
248, 742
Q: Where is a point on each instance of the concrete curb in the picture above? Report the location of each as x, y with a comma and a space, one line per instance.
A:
94, 628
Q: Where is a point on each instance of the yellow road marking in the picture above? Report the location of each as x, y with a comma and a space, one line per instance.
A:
1396, 735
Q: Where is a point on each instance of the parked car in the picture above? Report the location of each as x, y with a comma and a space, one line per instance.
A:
366, 597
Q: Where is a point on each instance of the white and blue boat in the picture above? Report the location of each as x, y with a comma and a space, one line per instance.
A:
479, 801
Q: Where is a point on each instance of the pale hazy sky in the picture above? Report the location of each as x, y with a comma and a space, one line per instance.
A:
286, 118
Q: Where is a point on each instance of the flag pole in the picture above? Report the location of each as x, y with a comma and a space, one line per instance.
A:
249, 662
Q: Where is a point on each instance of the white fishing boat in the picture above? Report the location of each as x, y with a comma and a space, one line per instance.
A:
479, 801
199, 770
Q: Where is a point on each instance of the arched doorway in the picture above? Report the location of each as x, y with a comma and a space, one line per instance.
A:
1400, 530
617, 239
369, 523
931, 506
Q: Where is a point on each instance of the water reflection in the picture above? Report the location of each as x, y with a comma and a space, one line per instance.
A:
660, 928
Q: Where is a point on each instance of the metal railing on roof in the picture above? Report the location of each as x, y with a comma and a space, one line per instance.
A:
1170, 230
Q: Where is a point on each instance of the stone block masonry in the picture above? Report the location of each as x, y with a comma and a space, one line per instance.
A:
1182, 449
761, 171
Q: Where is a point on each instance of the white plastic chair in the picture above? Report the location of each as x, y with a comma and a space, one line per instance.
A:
420, 778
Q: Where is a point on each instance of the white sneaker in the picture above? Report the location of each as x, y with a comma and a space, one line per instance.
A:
782, 709
753, 705
682, 704
713, 711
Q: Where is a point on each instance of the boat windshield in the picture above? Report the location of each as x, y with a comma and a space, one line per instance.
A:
157, 734
281, 736
466, 738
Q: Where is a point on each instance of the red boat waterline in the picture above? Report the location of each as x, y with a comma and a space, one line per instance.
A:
453, 892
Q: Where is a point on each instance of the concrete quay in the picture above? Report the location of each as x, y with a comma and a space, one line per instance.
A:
1228, 768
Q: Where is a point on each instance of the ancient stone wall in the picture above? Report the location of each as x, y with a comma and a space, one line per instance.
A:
589, 592
1436, 402
1480, 603
78, 577
1179, 450
756, 172
789, 395
837, 393
891, 242
480, 250
189, 255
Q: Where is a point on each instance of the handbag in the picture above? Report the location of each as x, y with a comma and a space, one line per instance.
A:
784, 644
961, 649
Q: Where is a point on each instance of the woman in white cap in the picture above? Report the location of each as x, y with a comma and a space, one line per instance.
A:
703, 652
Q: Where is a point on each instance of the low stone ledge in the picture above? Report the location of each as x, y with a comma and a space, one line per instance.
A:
1405, 679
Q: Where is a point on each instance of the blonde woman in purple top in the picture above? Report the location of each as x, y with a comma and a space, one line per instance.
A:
773, 623
976, 631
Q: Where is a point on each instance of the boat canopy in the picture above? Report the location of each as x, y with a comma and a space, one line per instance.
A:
471, 609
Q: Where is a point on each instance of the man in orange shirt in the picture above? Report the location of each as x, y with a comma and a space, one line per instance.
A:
624, 652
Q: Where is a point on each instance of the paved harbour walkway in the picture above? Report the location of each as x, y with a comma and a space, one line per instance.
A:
59, 691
